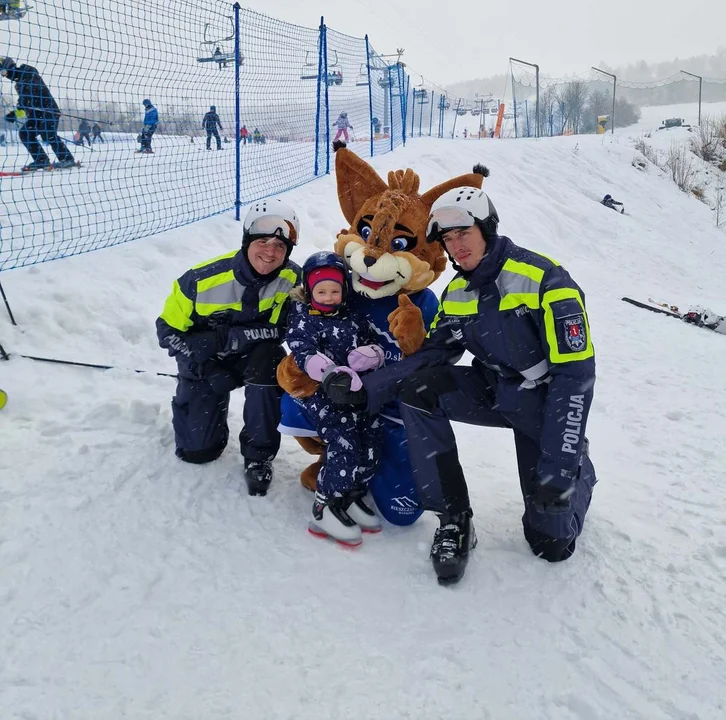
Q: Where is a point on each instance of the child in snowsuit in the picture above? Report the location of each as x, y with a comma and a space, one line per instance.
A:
325, 335
343, 126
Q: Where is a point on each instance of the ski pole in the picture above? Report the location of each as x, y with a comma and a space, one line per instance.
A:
79, 117
3, 354
79, 144
88, 365
7, 306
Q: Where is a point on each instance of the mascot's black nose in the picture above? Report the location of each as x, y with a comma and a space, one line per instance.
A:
369, 261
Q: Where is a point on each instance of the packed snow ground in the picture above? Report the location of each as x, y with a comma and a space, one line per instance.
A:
136, 586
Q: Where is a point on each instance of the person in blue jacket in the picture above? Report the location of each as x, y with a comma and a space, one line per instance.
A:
151, 121
523, 318
224, 323
41, 113
326, 335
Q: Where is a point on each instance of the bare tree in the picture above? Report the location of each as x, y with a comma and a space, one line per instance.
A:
573, 96
719, 206
547, 105
707, 142
679, 162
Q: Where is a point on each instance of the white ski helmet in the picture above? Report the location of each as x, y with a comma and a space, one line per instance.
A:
271, 217
462, 207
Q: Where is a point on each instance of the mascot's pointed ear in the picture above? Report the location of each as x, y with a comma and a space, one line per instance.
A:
357, 182
473, 179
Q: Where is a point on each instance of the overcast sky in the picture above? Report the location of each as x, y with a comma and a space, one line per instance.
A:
459, 40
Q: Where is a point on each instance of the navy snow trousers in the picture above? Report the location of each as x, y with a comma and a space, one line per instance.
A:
199, 408
212, 131
353, 444
433, 397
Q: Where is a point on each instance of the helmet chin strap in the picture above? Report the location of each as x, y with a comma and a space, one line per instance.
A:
489, 238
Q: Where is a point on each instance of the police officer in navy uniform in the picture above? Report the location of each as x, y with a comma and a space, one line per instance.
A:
225, 322
523, 319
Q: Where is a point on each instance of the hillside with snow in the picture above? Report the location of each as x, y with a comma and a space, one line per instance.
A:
135, 586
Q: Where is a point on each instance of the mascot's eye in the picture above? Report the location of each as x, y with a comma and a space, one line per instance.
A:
402, 243
364, 230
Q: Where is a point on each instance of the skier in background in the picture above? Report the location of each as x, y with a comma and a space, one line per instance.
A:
244, 134
41, 113
610, 202
96, 130
343, 126
151, 120
209, 123
84, 132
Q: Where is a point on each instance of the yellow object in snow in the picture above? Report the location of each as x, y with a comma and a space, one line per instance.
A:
602, 121
3, 399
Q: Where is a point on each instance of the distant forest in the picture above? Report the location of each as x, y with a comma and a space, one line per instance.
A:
711, 67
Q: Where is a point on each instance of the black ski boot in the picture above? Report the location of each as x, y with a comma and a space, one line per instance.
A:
258, 474
450, 549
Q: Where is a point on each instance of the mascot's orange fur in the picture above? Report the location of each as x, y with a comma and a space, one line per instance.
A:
386, 250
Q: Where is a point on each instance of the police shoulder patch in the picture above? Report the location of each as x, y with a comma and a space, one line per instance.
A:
571, 333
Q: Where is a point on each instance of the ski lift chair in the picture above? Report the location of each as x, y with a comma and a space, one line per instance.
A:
309, 70
211, 48
362, 79
462, 111
13, 9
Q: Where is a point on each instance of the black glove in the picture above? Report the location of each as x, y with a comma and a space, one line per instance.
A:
205, 345
551, 497
336, 386
10, 117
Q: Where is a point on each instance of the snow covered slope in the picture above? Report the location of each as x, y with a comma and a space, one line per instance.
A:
134, 586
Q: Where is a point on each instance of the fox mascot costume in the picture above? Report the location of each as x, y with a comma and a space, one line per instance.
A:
391, 268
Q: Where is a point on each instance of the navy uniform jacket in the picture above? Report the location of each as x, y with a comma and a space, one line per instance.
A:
210, 121
33, 94
523, 318
224, 293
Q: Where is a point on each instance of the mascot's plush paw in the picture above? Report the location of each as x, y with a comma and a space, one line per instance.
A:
309, 476
407, 325
293, 380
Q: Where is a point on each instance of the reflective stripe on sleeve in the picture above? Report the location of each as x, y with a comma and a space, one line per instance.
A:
548, 299
178, 308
